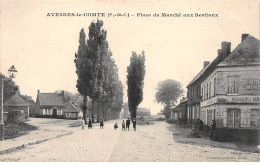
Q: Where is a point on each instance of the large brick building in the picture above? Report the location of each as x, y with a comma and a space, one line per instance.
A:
230, 92
194, 87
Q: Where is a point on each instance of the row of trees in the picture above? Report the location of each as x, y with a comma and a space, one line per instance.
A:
98, 74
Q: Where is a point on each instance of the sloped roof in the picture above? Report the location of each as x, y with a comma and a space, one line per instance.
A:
71, 106
56, 99
246, 53
17, 101
50, 99
31, 103
198, 75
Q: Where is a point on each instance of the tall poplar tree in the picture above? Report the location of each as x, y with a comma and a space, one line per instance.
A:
135, 82
84, 72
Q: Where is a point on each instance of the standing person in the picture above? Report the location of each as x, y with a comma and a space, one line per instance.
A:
134, 124
201, 126
127, 123
123, 125
213, 131
101, 123
90, 123
82, 122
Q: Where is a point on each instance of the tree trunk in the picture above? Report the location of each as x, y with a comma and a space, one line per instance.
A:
133, 113
98, 112
93, 110
85, 108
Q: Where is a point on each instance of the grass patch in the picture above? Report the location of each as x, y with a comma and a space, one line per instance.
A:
14, 130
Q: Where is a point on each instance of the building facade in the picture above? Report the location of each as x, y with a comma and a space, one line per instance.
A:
195, 94
180, 112
16, 109
230, 93
55, 105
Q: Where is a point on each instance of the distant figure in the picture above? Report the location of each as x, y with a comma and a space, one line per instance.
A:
123, 125
200, 126
101, 123
134, 124
127, 123
82, 122
213, 131
115, 126
90, 123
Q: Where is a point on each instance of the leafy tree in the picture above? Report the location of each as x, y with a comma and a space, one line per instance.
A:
26, 97
84, 72
96, 41
135, 82
168, 91
9, 88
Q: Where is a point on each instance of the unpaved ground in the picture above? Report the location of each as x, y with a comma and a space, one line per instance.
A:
156, 142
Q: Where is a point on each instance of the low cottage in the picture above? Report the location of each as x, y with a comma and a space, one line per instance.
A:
54, 105
16, 109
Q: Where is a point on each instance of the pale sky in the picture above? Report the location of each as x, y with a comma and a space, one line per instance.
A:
42, 48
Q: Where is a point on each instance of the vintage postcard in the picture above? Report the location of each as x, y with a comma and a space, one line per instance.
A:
129, 81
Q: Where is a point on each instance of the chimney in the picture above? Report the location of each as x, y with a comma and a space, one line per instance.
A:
225, 49
244, 37
38, 91
63, 95
16, 91
205, 63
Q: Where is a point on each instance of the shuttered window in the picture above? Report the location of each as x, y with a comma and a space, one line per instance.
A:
233, 117
255, 115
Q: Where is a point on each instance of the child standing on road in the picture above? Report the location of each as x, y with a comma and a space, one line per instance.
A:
123, 125
127, 123
90, 123
82, 122
101, 123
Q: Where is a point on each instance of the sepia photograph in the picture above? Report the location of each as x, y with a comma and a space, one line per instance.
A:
129, 81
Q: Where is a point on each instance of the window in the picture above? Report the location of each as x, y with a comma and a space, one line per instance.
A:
209, 89
209, 117
233, 117
215, 83
198, 91
232, 82
44, 112
207, 95
193, 112
49, 111
59, 111
67, 115
255, 115
202, 93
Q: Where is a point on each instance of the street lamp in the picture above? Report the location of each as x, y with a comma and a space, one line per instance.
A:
12, 74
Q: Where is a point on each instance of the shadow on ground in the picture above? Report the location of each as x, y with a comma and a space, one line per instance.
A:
183, 135
14, 130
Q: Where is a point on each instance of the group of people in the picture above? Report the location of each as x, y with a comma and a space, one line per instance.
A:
213, 127
125, 125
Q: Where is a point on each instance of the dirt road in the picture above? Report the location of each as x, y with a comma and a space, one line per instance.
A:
155, 142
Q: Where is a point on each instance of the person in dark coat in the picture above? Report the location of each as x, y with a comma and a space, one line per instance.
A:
101, 123
115, 126
127, 124
90, 123
213, 131
134, 124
